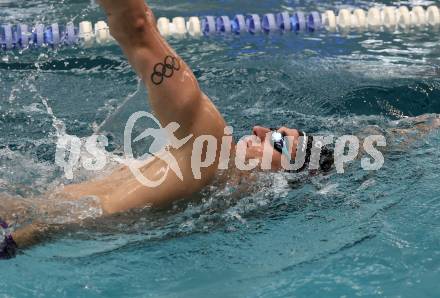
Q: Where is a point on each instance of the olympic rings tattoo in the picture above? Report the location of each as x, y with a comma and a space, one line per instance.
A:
165, 69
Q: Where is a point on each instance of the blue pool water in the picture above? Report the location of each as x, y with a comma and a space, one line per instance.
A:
357, 234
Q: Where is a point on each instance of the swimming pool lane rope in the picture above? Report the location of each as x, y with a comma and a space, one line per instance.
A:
22, 36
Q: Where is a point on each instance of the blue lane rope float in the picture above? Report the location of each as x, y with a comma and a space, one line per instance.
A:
22, 36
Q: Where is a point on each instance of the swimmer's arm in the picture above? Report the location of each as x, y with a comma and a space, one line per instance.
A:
175, 98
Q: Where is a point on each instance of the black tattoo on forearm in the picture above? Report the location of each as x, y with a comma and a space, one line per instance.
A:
165, 69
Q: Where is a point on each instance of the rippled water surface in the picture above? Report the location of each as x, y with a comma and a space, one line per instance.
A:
357, 234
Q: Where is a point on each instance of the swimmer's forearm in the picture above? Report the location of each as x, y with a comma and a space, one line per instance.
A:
174, 93
134, 28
